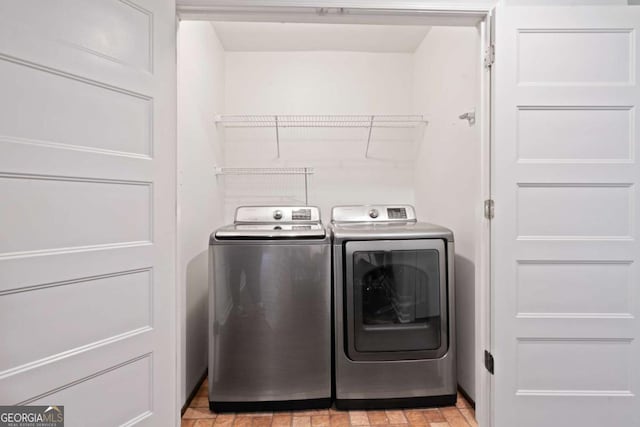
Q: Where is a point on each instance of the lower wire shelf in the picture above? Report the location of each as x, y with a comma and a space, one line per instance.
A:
303, 172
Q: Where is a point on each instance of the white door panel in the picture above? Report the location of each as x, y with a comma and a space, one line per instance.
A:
129, 402
111, 42
87, 228
565, 234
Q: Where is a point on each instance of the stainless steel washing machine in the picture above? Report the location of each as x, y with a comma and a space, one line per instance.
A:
270, 311
394, 333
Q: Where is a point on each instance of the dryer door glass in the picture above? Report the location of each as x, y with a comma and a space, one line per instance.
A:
398, 298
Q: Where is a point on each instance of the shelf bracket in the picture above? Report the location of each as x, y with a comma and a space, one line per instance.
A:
366, 153
306, 186
277, 137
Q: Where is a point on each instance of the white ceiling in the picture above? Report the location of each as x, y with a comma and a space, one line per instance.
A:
270, 36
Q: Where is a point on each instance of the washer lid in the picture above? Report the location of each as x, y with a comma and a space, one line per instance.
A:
271, 231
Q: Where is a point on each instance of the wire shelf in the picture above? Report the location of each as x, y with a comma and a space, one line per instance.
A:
264, 171
279, 122
300, 121
260, 182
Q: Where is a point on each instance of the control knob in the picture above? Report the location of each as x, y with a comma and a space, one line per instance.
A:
373, 213
277, 214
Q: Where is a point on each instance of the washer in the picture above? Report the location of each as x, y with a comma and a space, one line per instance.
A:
394, 332
270, 311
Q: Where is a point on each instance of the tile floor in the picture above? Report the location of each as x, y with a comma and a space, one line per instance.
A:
461, 415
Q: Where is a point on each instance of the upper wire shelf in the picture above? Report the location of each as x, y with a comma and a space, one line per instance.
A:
321, 121
358, 121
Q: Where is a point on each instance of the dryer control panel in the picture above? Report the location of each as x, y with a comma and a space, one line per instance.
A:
373, 213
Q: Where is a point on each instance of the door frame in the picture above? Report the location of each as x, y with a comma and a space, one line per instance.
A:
390, 12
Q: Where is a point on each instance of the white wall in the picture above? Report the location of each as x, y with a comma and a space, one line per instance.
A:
200, 97
323, 83
447, 171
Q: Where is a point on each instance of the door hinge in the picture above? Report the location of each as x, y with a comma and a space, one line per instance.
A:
488, 209
490, 56
488, 361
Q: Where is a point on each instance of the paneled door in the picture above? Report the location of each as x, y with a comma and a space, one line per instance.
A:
87, 209
565, 237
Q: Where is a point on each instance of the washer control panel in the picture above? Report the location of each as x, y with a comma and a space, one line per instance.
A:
373, 213
277, 214
302, 214
397, 213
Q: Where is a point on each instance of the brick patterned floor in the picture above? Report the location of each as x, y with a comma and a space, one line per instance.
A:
461, 415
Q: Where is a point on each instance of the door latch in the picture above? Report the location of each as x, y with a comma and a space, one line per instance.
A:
488, 361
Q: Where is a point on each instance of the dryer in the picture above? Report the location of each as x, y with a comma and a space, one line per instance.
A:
394, 335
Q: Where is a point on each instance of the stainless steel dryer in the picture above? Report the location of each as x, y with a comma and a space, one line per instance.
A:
394, 331
270, 311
